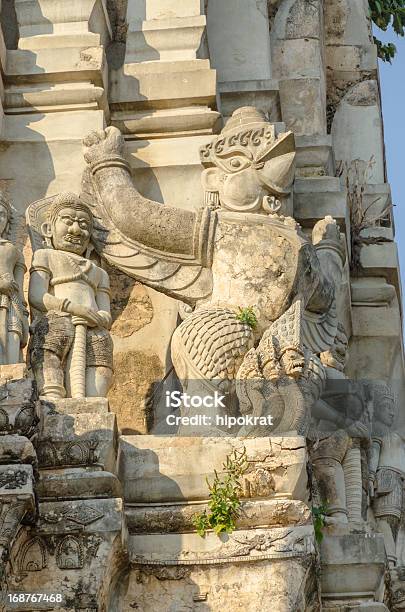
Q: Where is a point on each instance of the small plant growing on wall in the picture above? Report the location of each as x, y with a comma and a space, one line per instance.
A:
247, 315
319, 514
386, 13
224, 498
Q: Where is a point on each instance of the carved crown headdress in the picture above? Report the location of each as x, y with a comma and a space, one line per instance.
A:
381, 390
248, 139
15, 230
46, 210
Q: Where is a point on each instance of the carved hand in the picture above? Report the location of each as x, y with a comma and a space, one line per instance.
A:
92, 317
7, 284
106, 319
103, 144
357, 429
371, 487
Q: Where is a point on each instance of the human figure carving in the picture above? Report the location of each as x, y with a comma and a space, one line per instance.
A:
70, 349
387, 469
13, 314
340, 435
240, 250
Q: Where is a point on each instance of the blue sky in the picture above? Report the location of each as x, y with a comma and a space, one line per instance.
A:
392, 77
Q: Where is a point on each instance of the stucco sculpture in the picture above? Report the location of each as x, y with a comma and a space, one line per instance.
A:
386, 468
13, 313
236, 252
234, 187
70, 348
340, 434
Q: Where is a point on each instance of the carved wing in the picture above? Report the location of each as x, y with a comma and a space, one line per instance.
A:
180, 278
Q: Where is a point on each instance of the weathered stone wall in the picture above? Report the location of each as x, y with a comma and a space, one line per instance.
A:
169, 74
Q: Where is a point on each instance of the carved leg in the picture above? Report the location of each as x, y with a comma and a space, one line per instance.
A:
98, 381
353, 484
13, 348
3, 335
49, 376
388, 526
330, 478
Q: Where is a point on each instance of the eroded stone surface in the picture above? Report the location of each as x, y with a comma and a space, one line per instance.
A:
231, 241
160, 469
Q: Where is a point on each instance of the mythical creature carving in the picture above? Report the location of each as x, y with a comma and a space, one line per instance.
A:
13, 312
238, 251
70, 347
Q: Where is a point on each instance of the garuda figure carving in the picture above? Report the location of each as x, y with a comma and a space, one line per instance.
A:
236, 252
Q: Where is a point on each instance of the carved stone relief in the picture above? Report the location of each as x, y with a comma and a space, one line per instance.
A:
69, 553
70, 453
386, 468
340, 433
247, 180
13, 312
70, 348
32, 556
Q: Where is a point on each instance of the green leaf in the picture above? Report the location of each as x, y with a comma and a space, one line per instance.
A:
224, 492
386, 13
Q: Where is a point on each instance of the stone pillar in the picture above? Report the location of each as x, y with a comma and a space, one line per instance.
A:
18, 465
356, 125
56, 87
164, 72
243, 66
164, 31
297, 63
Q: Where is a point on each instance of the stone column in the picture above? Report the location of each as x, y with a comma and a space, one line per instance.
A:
164, 72
297, 63
55, 93
18, 465
356, 125
243, 66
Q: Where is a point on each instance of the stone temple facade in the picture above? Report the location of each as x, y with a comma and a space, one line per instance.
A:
193, 204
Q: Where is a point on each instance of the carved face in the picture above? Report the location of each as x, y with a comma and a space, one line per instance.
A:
247, 165
240, 189
3, 219
71, 230
386, 411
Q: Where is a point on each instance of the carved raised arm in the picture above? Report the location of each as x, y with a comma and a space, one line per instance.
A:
162, 227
